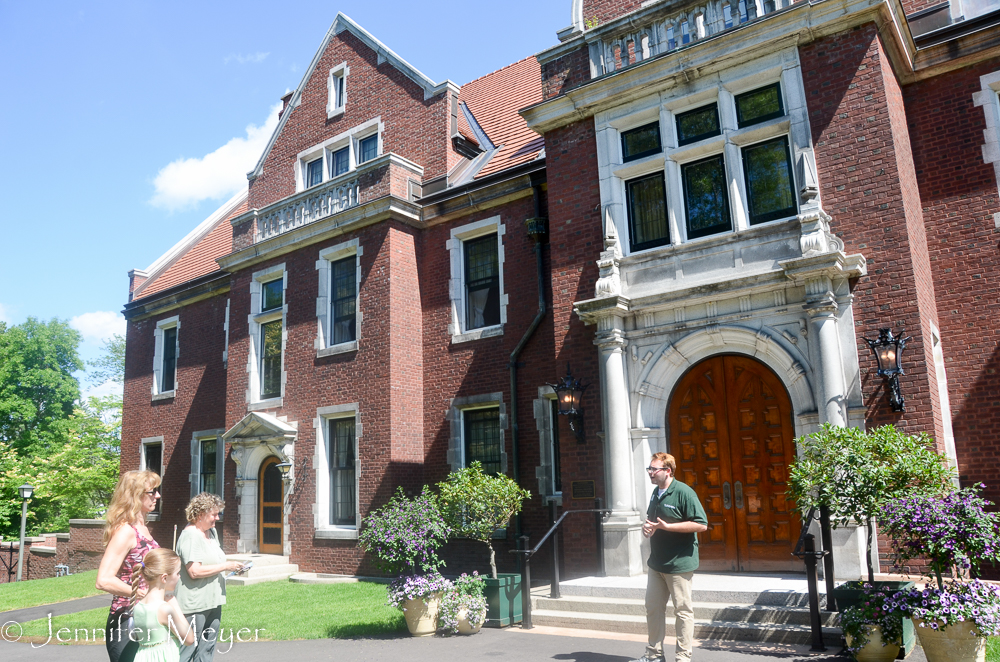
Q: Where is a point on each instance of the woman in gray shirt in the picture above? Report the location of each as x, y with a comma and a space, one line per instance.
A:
202, 589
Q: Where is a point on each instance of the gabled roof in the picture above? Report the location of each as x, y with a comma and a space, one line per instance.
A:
195, 254
385, 54
494, 101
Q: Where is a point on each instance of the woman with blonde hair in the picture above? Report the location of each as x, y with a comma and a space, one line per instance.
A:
126, 541
202, 590
157, 615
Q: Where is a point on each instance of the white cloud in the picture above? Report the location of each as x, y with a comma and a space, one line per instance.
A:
217, 175
252, 58
107, 388
98, 326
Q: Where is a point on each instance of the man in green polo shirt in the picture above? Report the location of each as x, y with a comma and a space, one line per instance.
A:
674, 519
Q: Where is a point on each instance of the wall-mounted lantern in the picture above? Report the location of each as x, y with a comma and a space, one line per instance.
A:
284, 468
569, 393
888, 350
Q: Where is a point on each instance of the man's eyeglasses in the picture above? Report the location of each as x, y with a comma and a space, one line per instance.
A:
653, 470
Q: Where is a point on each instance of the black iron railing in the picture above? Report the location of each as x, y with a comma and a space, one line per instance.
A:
806, 550
599, 514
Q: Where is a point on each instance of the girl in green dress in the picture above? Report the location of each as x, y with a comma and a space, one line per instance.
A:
157, 616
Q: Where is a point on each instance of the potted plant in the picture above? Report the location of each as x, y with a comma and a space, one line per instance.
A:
463, 607
404, 536
873, 627
954, 534
474, 506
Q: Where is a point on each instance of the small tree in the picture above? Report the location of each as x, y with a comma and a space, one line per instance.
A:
857, 473
475, 505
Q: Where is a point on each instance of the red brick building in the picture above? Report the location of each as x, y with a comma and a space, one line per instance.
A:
703, 210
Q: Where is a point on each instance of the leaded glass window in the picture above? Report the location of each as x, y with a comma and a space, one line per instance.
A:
168, 373
767, 168
342, 473
647, 212
705, 198
482, 438
343, 300
209, 470
759, 105
482, 282
314, 173
270, 360
698, 124
641, 142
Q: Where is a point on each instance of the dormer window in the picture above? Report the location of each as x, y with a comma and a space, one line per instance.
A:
339, 156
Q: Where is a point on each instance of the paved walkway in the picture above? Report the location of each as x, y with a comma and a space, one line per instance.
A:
540, 645
57, 609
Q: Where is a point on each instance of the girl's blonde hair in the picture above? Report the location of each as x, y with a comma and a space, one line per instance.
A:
159, 561
126, 502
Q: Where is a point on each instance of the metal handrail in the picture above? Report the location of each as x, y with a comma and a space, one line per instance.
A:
806, 550
528, 553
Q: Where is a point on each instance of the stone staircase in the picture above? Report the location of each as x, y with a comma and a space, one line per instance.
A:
743, 613
266, 568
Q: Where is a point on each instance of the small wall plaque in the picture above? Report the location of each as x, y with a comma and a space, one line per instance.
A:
583, 489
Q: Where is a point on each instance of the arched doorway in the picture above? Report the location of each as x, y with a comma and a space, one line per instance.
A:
731, 433
271, 507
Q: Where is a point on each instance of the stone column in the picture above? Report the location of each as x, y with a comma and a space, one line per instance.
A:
823, 310
623, 531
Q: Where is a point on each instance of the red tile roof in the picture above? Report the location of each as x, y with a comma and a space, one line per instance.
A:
199, 260
494, 101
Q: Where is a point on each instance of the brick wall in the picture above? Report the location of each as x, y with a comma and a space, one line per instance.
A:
959, 196
81, 550
565, 73
867, 184
604, 11
199, 403
414, 128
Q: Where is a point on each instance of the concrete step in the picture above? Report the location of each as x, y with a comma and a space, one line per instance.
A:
745, 613
321, 578
259, 559
704, 629
266, 568
736, 596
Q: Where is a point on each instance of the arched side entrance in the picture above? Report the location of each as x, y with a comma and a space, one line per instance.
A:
731, 431
271, 504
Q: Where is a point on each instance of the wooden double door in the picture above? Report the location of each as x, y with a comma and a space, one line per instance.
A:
731, 433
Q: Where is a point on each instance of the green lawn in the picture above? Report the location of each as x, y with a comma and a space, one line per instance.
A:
20, 595
993, 649
273, 611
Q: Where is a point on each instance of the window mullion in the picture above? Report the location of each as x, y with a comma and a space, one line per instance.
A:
675, 202
737, 187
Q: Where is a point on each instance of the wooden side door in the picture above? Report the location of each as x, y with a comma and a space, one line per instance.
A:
699, 440
271, 499
731, 434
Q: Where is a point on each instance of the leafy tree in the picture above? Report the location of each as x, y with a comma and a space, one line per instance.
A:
37, 387
110, 367
475, 504
856, 473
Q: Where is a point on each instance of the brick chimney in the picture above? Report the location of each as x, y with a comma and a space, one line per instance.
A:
136, 277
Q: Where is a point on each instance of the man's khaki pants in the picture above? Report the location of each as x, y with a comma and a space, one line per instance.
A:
661, 587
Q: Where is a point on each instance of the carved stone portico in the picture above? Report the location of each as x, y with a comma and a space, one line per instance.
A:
254, 439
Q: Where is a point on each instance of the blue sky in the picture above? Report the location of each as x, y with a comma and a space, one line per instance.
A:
125, 124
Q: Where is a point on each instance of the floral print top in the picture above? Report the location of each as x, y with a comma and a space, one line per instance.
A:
133, 559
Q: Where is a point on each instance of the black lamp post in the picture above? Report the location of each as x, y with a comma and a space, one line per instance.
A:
25, 491
569, 392
888, 350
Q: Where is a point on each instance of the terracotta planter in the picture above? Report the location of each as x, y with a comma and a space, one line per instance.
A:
422, 615
874, 651
955, 643
465, 626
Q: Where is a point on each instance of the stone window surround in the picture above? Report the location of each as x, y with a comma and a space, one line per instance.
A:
350, 139
255, 319
721, 89
543, 423
456, 286
456, 442
989, 100
324, 321
143, 443
167, 323
322, 529
220, 460
335, 106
